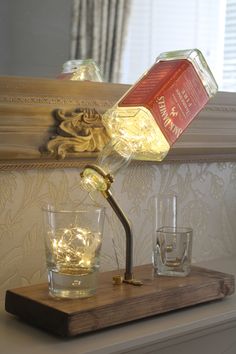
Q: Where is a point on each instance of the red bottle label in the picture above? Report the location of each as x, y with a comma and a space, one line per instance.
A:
173, 92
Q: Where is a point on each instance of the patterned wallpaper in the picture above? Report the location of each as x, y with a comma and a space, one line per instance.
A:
206, 202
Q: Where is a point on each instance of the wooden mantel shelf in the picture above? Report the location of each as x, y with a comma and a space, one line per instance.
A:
28, 123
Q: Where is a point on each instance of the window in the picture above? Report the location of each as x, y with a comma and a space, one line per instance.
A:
156, 26
229, 70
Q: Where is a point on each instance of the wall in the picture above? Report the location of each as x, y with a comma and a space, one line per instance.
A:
34, 37
206, 196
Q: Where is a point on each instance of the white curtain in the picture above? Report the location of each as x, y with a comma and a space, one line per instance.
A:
98, 32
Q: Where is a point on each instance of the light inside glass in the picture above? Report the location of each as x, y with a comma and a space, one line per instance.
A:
73, 240
115, 155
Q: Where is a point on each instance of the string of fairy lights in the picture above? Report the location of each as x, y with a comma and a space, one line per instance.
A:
75, 248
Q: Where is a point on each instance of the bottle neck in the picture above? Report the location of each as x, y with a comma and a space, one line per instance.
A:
115, 155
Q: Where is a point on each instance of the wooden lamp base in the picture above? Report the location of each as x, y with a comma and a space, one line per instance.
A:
117, 304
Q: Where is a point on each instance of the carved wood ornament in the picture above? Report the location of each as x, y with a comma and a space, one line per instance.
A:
79, 131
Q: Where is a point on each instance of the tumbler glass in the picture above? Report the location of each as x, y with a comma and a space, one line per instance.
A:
173, 251
72, 242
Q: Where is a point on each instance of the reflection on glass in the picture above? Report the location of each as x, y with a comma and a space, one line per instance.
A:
81, 70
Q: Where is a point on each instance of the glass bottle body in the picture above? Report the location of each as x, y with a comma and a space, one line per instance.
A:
156, 110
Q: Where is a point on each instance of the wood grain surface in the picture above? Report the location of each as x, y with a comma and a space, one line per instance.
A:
117, 304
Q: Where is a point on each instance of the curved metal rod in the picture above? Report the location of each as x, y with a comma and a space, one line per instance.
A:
128, 232
128, 275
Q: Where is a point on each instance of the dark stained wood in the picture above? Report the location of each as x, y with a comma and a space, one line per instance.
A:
117, 304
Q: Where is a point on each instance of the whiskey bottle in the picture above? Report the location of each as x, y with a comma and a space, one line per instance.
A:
157, 109
153, 114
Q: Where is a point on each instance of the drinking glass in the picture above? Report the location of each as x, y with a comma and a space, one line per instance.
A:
173, 251
73, 239
165, 209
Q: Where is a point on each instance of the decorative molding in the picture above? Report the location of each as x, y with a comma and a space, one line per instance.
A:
12, 165
212, 135
29, 100
217, 108
55, 123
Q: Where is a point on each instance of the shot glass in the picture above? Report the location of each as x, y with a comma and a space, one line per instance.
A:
73, 240
173, 251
